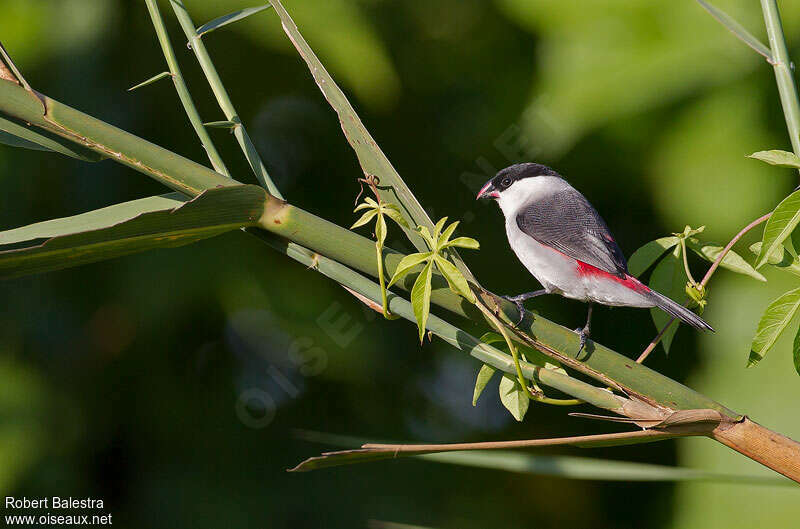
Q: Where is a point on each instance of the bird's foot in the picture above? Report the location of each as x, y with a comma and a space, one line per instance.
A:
517, 300
583, 333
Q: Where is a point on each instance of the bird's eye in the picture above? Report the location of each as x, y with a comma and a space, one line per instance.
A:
506, 182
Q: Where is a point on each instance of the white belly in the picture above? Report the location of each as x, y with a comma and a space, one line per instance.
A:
559, 274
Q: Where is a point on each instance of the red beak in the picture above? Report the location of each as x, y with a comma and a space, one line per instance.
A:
488, 191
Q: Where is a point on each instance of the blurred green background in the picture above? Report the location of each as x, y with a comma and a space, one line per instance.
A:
167, 384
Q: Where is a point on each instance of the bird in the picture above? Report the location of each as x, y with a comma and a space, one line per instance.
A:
566, 245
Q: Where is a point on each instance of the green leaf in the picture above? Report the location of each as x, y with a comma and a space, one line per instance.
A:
370, 156
406, 264
514, 397
395, 215
644, 257
126, 228
463, 242
447, 233
780, 258
15, 133
152, 80
780, 226
426, 236
738, 30
230, 18
421, 298
380, 230
225, 124
773, 322
775, 257
455, 279
732, 260
366, 217
437, 229
795, 353
484, 376
779, 158
669, 279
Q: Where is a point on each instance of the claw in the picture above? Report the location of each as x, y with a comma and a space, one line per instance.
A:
583, 333
520, 308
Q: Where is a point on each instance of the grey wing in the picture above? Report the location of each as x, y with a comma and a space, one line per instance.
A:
567, 222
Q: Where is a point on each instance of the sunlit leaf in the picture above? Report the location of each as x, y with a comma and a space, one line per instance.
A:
447, 233
779, 158
484, 376
421, 298
230, 18
463, 242
669, 279
395, 215
773, 322
407, 264
738, 30
732, 260
380, 230
780, 226
644, 257
437, 229
365, 218
514, 397
427, 237
126, 228
455, 279
152, 80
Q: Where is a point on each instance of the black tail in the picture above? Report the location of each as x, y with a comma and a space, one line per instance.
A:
680, 312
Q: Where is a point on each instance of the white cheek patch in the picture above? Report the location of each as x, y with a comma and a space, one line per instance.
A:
528, 190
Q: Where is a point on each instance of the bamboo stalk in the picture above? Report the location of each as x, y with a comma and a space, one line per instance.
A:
769, 448
169, 168
183, 91
225, 103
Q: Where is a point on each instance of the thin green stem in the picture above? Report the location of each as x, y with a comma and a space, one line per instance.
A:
382, 281
511, 346
686, 262
783, 71
224, 101
183, 91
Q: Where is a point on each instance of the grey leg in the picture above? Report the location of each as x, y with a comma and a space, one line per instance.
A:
519, 299
584, 332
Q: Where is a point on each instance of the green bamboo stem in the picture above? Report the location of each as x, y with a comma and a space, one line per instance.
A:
183, 91
224, 101
783, 71
169, 168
